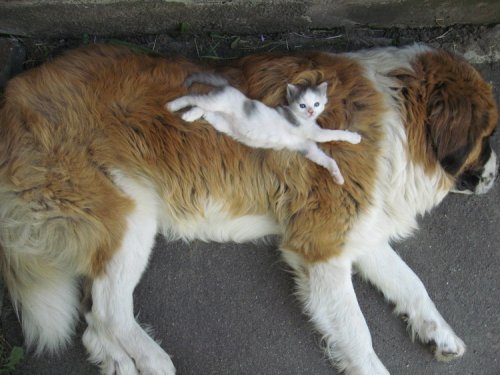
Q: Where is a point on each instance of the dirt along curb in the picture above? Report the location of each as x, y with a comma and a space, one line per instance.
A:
12, 56
70, 18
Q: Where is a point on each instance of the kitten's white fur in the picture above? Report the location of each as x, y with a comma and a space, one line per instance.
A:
254, 124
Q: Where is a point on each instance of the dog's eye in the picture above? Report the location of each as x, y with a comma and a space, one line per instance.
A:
302, 105
316, 104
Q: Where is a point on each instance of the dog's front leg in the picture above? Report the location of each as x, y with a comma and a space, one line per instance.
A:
400, 285
327, 293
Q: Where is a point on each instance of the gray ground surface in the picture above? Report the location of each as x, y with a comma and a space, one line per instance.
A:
230, 309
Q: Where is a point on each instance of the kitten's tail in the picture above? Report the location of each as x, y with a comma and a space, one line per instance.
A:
206, 78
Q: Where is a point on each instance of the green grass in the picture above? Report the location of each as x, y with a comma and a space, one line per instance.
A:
10, 357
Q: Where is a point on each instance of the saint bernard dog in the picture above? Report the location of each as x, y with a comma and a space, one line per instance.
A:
93, 166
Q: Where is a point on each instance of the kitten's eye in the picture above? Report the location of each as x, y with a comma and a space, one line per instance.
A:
302, 106
316, 104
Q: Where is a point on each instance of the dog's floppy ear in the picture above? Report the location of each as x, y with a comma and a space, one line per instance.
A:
451, 128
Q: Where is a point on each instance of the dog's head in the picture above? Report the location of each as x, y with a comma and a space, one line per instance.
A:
461, 118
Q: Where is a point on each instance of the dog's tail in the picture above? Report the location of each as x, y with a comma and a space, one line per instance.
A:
206, 78
48, 307
43, 288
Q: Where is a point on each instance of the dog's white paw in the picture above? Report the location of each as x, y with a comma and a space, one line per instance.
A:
142, 355
449, 349
368, 365
436, 332
110, 358
155, 362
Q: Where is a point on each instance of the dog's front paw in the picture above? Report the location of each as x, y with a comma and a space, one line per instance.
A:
369, 365
436, 332
449, 349
158, 363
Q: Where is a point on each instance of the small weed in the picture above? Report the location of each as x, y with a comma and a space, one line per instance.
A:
85, 39
184, 27
220, 46
10, 357
236, 41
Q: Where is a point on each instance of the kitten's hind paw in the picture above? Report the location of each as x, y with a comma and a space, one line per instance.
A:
339, 179
170, 106
176, 104
334, 170
193, 114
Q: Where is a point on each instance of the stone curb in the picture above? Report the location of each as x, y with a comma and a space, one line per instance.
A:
12, 56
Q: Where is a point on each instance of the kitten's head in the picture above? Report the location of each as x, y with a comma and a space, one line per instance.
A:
307, 102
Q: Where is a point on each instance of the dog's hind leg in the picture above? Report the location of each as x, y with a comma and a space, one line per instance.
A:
327, 293
389, 273
113, 338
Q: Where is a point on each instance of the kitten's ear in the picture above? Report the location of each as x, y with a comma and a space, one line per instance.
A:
322, 87
291, 91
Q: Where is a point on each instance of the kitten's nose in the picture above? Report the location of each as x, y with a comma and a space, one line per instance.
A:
310, 111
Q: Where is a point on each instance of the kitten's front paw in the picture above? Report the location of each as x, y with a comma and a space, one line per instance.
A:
353, 138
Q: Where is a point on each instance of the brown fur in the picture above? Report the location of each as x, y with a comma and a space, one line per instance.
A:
311, 229
68, 123
441, 95
68, 126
